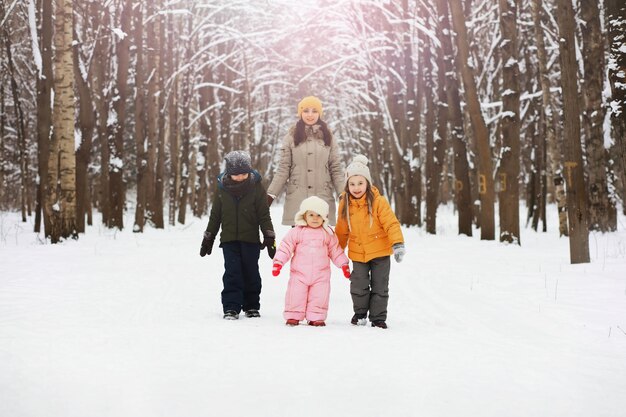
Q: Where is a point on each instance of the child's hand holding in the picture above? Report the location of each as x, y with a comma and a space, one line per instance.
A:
276, 269
398, 251
346, 271
269, 242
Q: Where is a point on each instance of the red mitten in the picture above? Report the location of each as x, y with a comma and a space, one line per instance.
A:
346, 270
276, 269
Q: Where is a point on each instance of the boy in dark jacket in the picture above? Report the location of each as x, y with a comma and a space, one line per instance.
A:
240, 207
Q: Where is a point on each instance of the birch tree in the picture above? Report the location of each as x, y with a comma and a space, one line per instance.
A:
61, 187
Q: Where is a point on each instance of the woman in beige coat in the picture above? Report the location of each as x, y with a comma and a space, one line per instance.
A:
309, 163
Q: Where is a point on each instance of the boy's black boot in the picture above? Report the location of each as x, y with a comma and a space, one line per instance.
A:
231, 315
253, 313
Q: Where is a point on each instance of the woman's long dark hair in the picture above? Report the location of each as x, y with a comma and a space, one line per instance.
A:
299, 135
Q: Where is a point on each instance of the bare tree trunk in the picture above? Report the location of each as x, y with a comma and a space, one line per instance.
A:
616, 25
536, 199
61, 202
186, 134
213, 159
439, 151
86, 122
2, 129
140, 123
19, 120
376, 157
159, 184
152, 107
413, 189
44, 110
102, 95
394, 142
116, 143
434, 147
549, 117
600, 206
207, 148
510, 123
576, 198
173, 124
192, 183
462, 188
485, 174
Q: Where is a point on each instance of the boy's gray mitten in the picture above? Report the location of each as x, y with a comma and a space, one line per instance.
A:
398, 251
207, 243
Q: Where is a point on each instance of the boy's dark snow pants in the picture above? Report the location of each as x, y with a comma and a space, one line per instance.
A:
369, 287
242, 281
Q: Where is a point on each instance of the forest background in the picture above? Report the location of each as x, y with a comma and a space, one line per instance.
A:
109, 106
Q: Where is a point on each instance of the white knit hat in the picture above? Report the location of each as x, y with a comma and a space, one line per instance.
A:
359, 167
316, 205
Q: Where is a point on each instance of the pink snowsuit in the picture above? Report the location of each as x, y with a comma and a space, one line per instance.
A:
309, 282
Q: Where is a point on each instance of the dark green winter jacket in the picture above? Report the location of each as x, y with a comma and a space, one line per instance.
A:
240, 209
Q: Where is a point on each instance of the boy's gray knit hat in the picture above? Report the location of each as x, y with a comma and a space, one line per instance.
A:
238, 162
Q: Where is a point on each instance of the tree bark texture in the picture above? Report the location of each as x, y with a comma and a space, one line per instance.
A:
140, 123
44, 109
116, 133
86, 123
435, 146
576, 196
19, 118
185, 134
61, 195
549, 117
481, 134
102, 109
159, 184
173, 123
462, 187
152, 110
510, 125
616, 28
600, 206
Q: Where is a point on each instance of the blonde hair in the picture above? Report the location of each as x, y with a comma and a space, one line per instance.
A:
369, 196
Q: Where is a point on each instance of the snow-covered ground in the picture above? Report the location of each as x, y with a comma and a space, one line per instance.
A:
123, 324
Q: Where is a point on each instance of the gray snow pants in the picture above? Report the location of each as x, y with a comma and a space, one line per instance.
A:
369, 287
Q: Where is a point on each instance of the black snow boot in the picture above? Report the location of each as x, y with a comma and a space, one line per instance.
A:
252, 313
231, 315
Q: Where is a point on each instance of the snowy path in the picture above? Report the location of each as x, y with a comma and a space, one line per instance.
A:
121, 324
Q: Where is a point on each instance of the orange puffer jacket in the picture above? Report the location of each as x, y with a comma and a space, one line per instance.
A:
366, 241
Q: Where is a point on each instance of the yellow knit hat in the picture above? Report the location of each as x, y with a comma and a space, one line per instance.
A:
310, 102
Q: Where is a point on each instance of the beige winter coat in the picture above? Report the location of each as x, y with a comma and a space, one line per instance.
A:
311, 168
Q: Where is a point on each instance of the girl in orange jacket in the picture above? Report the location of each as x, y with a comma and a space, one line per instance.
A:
370, 229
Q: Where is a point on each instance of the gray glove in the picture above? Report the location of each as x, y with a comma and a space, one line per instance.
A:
398, 251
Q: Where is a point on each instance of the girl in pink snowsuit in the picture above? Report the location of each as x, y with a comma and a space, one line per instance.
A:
313, 244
